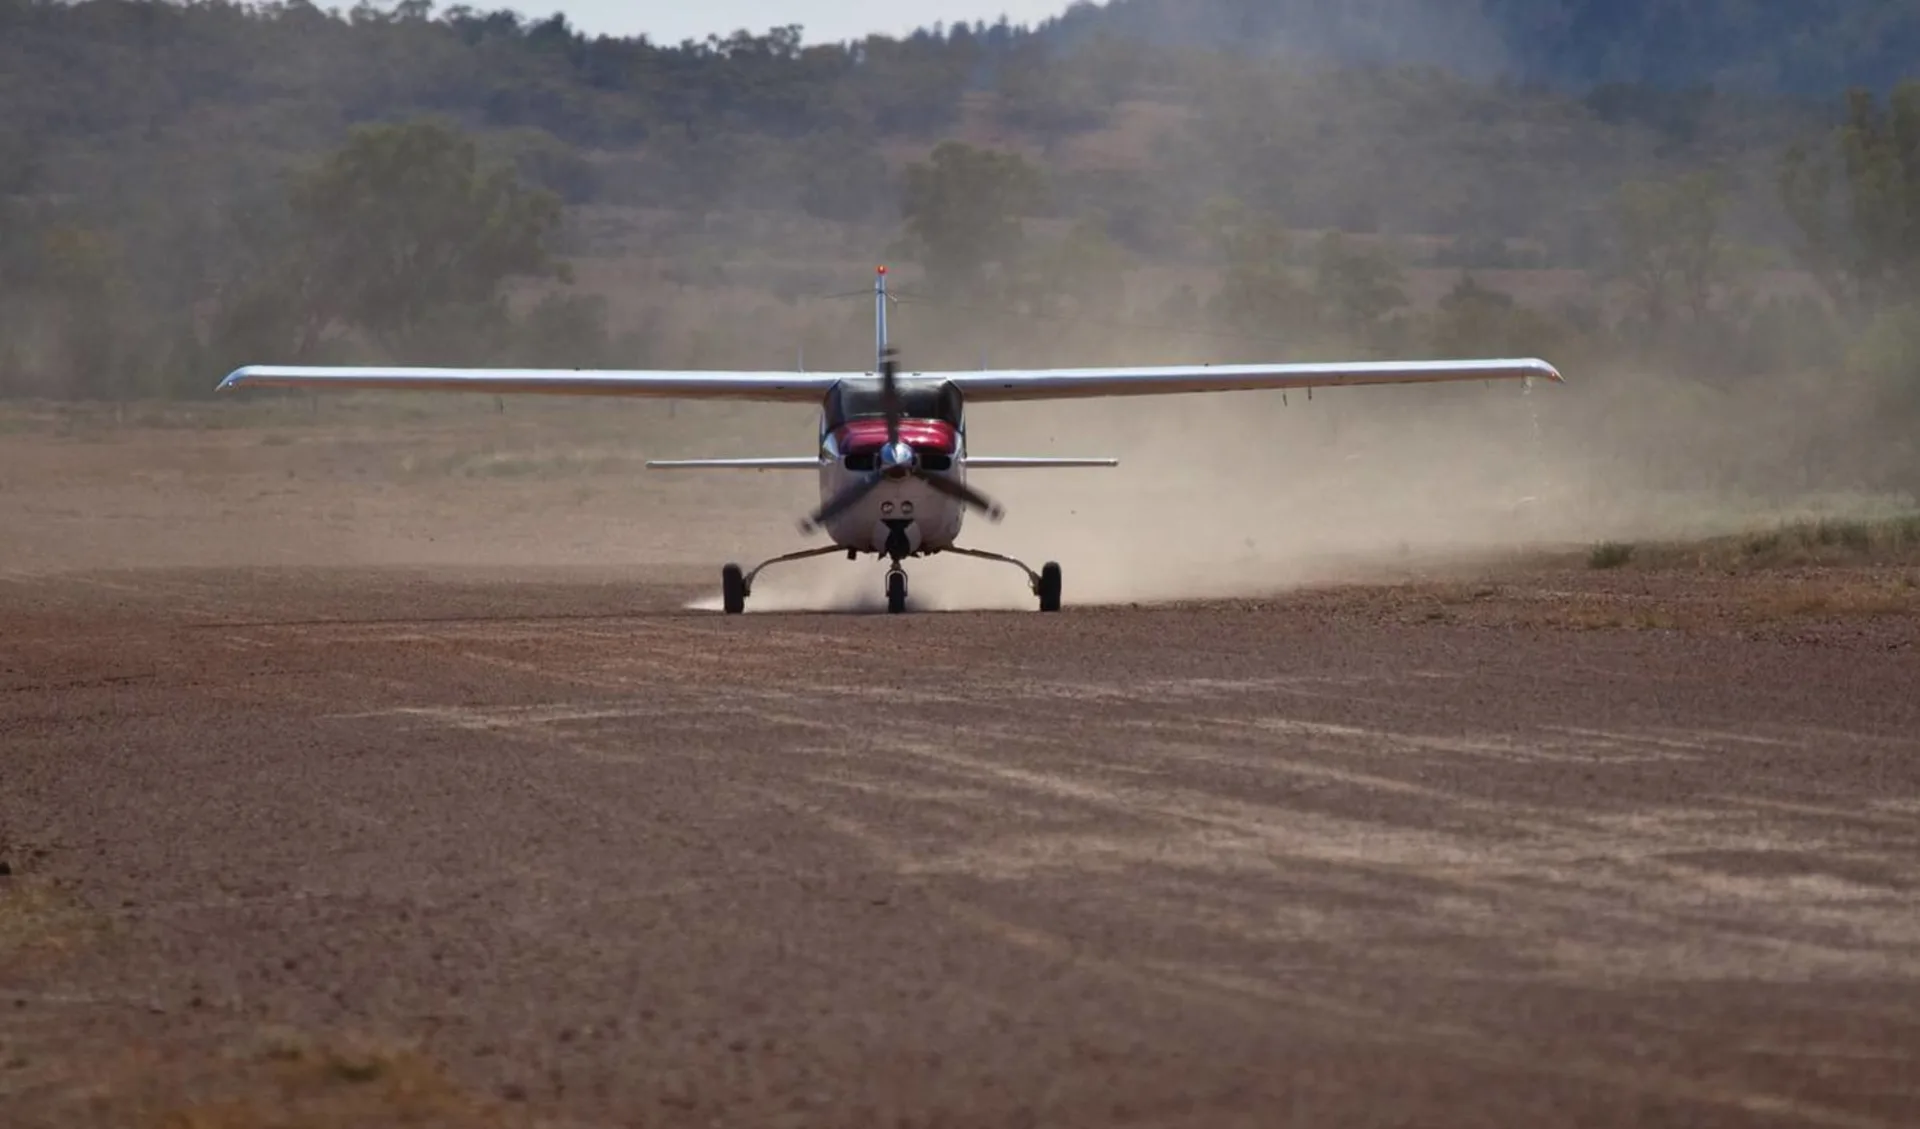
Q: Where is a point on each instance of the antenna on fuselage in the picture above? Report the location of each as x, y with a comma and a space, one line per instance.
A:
880, 318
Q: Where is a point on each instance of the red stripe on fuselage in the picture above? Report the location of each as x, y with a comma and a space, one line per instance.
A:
862, 436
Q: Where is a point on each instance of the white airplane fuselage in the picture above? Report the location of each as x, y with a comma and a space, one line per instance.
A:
901, 504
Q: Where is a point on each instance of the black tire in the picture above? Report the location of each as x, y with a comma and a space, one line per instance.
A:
733, 590
1049, 590
896, 593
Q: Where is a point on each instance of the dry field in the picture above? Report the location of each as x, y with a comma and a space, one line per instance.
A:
390, 772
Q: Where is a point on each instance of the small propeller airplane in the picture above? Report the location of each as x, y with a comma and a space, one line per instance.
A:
892, 454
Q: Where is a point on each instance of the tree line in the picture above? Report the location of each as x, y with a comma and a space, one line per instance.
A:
276, 183
1816, 47
209, 97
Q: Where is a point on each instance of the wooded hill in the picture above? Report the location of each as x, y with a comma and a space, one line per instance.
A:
213, 98
188, 186
1808, 47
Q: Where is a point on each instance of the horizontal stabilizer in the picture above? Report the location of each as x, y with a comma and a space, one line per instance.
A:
808, 463
1015, 462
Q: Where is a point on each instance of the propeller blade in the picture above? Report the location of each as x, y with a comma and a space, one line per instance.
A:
841, 503
965, 493
890, 395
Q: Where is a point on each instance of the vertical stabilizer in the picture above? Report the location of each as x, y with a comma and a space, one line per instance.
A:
879, 318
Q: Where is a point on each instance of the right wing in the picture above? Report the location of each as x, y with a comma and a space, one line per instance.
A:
796, 387
1019, 462
1075, 383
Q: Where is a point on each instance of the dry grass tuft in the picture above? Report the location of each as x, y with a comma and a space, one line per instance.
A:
1837, 597
39, 919
292, 1082
1798, 544
1610, 554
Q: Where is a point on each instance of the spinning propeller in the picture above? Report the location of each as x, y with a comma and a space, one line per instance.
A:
897, 461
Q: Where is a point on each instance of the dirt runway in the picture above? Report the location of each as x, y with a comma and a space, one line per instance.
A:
548, 848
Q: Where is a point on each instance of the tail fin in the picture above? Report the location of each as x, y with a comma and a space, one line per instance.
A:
879, 318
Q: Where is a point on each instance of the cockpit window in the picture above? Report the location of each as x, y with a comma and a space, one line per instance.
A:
923, 399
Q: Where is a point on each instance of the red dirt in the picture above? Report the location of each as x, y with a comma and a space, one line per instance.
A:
329, 798
613, 862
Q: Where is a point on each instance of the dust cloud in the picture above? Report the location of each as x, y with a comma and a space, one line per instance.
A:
1217, 495
1242, 495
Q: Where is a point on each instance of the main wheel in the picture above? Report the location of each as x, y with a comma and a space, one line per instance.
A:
896, 592
1049, 590
733, 590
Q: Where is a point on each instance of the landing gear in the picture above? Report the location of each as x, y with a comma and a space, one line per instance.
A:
1045, 583
1048, 587
733, 590
736, 586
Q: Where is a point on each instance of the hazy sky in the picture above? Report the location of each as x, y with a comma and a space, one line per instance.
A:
670, 21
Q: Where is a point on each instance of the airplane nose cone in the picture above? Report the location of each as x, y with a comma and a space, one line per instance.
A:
896, 459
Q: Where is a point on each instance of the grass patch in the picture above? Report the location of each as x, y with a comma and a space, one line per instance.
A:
1610, 554
1893, 540
1662, 600
1862, 599
1887, 538
1794, 544
38, 918
289, 1081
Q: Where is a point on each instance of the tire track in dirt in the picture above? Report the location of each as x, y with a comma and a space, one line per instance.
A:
1193, 864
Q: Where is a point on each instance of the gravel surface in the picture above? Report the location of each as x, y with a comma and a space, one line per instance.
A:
376, 846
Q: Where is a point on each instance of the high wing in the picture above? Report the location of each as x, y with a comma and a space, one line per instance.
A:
798, 387
810, 387
1065, 384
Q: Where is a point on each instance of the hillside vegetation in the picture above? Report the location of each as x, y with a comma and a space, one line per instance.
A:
185, 187
1759, 46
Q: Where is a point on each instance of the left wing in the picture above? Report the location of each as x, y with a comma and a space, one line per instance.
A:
808, 463
1062, 384
777, 386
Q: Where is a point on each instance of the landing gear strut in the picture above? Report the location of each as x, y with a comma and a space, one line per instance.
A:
736, 585
1045, 583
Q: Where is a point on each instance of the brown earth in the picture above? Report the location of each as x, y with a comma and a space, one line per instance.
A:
302, 836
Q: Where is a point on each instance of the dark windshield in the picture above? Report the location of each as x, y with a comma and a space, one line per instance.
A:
862, 399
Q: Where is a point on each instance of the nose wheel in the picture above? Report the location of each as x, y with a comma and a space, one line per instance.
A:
896, 590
